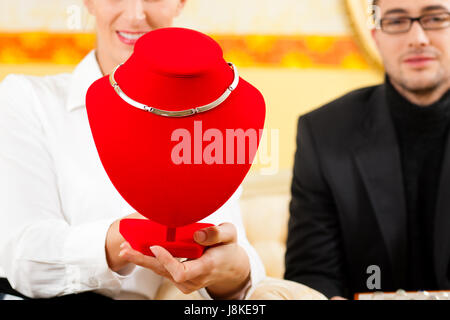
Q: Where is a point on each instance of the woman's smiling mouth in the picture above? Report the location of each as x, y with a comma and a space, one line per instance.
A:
129, 38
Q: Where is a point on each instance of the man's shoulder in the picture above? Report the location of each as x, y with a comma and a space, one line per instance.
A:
341, 115
345, 106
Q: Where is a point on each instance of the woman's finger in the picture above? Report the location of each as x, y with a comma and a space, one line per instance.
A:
221, 234
133, 256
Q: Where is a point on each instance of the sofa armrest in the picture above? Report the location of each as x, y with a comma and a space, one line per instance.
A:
268, 289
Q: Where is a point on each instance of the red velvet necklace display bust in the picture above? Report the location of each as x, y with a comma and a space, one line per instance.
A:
174, 170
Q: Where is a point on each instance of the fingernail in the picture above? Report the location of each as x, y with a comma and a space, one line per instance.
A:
200, 236
121, 253
153, 251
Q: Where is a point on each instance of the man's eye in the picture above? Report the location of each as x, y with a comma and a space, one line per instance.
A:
438, 19
393, 22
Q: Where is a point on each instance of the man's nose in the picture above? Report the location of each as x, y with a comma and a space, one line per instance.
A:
417, 36
135, 10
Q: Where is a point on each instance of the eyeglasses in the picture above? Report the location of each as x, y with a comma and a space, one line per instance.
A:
404, 24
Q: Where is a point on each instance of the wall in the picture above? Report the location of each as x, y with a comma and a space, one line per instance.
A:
300, 54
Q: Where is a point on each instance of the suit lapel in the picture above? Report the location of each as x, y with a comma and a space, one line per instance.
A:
442, 223
378, 159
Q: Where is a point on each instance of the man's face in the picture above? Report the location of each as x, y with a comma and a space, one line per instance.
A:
417, 60
121, 22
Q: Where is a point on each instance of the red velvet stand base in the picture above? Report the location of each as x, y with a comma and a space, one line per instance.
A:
143, 233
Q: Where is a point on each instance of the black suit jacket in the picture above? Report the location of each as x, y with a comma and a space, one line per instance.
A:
348, 209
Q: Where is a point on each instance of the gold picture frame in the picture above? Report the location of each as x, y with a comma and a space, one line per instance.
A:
359, 14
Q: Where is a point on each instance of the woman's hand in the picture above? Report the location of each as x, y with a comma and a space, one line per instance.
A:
224, 268
113, 241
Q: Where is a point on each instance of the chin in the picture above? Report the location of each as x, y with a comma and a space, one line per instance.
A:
420, 85
423, 80
123, 55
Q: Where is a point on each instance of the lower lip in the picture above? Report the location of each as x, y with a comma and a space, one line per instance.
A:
419, 63
127, 41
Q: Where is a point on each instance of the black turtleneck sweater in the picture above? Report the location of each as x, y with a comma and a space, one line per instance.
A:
422, 133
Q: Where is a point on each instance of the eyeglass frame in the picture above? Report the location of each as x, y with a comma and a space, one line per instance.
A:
411, 22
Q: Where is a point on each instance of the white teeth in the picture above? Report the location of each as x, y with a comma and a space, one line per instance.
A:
131, 36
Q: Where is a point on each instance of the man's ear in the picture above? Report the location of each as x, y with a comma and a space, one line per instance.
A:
180, 7
374, 33
89, 5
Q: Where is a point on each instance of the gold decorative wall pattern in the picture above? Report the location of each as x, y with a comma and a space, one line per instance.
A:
273, 51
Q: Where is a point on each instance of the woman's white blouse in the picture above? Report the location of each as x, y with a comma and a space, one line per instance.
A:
56, 201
